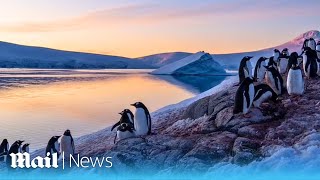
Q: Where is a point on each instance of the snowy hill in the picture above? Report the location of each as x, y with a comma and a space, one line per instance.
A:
195, 64
19, 56
158, 60
231, 61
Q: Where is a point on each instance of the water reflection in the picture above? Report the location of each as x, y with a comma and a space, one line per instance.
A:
37, 104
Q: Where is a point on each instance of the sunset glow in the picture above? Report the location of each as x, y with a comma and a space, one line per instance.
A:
138, 28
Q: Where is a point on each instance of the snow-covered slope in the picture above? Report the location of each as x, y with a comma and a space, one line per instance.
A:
231, 61
158, 60
19, 56
195, 64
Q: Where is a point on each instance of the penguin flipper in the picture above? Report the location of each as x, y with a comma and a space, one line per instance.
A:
149, 124
115, 138
246, 94
114, 126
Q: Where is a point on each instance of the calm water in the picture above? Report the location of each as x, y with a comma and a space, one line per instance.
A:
37, 104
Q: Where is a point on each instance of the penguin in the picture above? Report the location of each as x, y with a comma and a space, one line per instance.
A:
245, 68
15, 148
318, 55
293, 59
263, 92
4, 148
310, 63
124, 131
283, 61
305, 44
25, 148
274, 80
276, 55
272, 62
67, 144
295, 81
244, 97
312, 44
142, 119
53, 146
126, 117
260, 70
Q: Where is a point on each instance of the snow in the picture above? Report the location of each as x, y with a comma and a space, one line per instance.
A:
299, 162
195, 64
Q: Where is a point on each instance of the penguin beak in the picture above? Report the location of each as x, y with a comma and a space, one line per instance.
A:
249, 57
132, 104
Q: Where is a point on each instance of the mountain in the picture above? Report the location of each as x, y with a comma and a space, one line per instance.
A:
158, 60
20, 56
231, 61
195, 64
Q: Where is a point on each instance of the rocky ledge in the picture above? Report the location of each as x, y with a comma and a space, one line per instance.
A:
206, 132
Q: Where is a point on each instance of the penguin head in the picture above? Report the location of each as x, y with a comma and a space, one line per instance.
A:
125, 111
5, 141
19, 142
138, 105
262, 58
67, 133
124, 127
26, 145
247, 58
285, 52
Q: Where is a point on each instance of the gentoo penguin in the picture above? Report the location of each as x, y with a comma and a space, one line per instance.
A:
245, 68
15, 148
274, 80
67, 144
53, 146
25, 148
295, 81
126, 117
142, 119
312, 44
276, 55
305, 44
318, 49
263, 92
260, 70
124, 131
272, 62
4, 148
310, 64
244, 96
283, 61
294, 58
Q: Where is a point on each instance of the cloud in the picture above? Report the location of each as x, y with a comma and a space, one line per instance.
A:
150, 13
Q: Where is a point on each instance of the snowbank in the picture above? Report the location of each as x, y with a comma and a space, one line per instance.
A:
195, 64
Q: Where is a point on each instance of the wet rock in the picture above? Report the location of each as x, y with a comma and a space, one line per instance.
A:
223, 117
245, 150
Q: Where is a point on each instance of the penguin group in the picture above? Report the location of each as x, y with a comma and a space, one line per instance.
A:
66, 145
274, 76
132, 125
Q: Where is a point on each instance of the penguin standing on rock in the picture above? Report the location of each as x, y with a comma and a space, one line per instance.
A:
25, 148
318, 55
15, 148
295, 81
126, 117
142, 119
283, 61
245, 68
260, 70
4, 148
263, 92
124, 131
244, 97
274, 80
310, 63
53, 146
67, 144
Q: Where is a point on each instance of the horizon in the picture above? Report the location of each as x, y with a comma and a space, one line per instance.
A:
139, 28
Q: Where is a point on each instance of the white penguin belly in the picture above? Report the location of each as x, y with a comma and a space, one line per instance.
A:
140, 122
295, 82
283, 65
261, 73
264, 97
66, 146
124, 135
306, 71
246, 73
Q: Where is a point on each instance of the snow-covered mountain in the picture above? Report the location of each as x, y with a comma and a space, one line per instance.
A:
158, 60
231, 61
20, 56
195, 64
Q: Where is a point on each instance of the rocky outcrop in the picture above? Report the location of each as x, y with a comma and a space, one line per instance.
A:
194, 138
